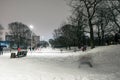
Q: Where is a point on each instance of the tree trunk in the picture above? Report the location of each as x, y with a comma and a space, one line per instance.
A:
99, 37
91, 35
102, 30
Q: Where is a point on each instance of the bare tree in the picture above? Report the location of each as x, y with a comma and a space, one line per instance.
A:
20, 33
78, 21
114, 8
103, 19
64, 35
88, 9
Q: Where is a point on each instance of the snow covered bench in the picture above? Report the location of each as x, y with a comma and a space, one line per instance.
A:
21, 53
13, 55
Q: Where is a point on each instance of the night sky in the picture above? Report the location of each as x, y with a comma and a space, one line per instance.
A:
45, 15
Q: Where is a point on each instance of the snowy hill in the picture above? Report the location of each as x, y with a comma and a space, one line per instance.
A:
50, 64
107, 55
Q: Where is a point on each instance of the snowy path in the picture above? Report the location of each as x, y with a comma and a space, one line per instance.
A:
51, 66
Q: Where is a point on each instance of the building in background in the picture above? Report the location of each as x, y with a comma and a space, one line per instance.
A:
3, 32
3, 42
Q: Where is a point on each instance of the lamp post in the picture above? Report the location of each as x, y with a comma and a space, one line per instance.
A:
31, 28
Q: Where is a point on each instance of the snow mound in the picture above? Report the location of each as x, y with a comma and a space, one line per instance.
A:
106, 54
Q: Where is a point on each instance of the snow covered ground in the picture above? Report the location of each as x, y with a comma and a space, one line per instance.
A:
51, 64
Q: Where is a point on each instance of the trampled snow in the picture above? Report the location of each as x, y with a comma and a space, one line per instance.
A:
52, 64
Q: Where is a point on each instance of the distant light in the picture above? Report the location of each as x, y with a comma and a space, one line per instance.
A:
31, 26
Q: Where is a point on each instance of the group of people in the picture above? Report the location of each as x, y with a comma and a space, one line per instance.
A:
1, 50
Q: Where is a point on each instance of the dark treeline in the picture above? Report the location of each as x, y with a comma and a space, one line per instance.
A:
93, 22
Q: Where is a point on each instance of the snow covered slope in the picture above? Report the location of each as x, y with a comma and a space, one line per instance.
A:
49, 64
106, 55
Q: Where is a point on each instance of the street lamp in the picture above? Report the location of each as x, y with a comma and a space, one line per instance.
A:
31, 28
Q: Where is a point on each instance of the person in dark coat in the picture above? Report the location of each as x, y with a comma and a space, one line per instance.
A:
1, 50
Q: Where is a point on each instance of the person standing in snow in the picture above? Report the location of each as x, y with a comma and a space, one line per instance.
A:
84, 47
19, 49
18, 53
1, 50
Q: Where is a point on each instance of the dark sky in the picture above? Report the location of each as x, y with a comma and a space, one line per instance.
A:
45, 15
